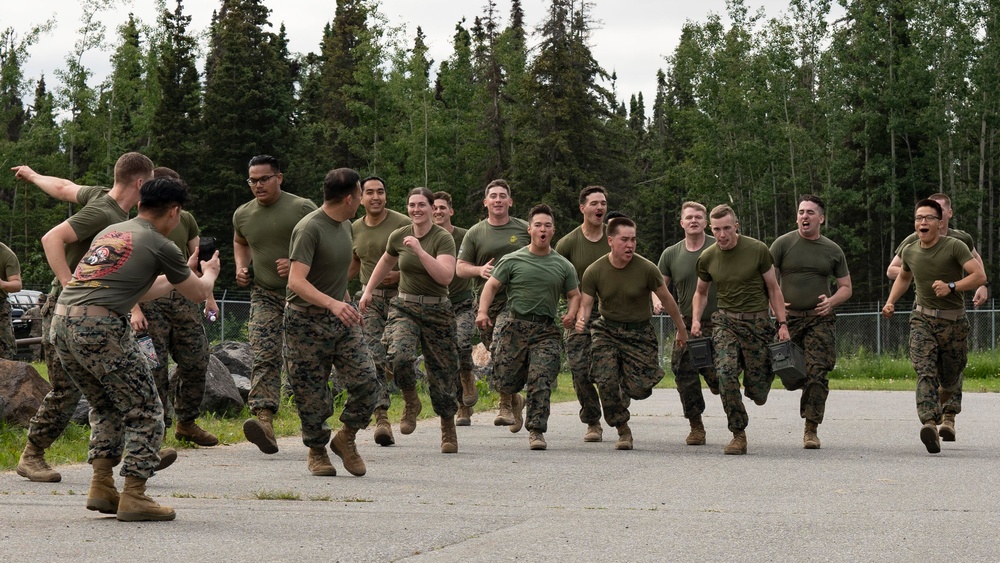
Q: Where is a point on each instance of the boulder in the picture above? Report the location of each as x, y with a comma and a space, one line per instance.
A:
482, 360
242, 385
221, 395
236, 356
81, 415
21, 390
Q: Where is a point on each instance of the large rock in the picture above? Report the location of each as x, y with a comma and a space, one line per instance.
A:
243, 385
236, 356
21, 390
81, 415
221, 395
482, 360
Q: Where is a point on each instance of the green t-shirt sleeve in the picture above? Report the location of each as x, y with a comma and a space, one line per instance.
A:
571, 282
172, 263
765, 260
86, 194
395, 241
701, 267
88, 221
302, 247
589, 284
468, 250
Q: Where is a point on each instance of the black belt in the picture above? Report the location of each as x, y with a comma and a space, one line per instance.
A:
533, 318
626, 326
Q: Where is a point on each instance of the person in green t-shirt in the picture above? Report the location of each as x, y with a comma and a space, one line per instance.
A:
371, 233
742, 269
624, 362
582, 247
941, 268
486, 243
420, 315
528, 346
677, 264
805, 261
64, 245
10, 282
323, 329
463, 304
96, 346
262, 228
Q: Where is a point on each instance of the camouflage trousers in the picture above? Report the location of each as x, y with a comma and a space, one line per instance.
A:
60, 403
687, 378
742, 346
817, 336
938, 352
465, 329
126, 417
8, 344
176, 326
528, 355
578, 346
498, 316
314, 343
374, 329
431, 328
266, 329
624, 364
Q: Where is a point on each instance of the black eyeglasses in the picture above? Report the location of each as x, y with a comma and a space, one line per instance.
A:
927, 218
261, 180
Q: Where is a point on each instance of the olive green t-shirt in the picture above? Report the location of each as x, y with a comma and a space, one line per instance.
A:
678, 263
459, 285
622, 294
954, 233
739, 274
369, 242
580, 251
268, 229
186, 231
413, 277
9, 266
944, 262
323, 244
806, 267
484, 242
121, 265
535, 283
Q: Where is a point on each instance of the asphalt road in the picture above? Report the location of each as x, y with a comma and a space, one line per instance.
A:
872, 493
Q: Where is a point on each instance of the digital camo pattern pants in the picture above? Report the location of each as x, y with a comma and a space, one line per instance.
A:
528, 355
175, 325
8, 344
126, 416
375, 319
817, 336
498, 315
465, 329
578, 346
938, 352
320, 341
431, 329
742, 346
687, 378
625, 366
266, 328
59, 404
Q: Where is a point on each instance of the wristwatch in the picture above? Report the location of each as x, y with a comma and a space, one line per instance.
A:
951, 286
779, 323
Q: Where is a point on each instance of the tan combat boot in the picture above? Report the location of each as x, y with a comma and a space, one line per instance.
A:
319, 463
449, 437
470, 394
697, 435
383, 430
810, 440
135, 506
929, 436
464, 416
408, 422
595, 433
738, 445
536, 441
517, 407
947, 430
260, 431
103, 497
505, 417
32, 465
343, 445
624, 437
191, 432
167, 458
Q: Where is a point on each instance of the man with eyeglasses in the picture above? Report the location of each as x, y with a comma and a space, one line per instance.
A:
941, 268
262, 229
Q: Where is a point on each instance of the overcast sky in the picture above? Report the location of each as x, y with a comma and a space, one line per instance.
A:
632, 37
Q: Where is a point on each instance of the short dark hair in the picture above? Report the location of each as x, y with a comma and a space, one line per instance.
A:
443, 195
370, 179
164, 172
133, 166
421, 191
613, 215
721, 210
265, 159
814, 199
619, 223
499, 182
932, 204
540, 209
340, 183
158, 195
585, 193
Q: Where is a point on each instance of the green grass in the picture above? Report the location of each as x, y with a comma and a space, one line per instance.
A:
859, 372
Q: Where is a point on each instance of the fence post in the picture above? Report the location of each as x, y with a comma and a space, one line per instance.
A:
878, 330
222, 313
